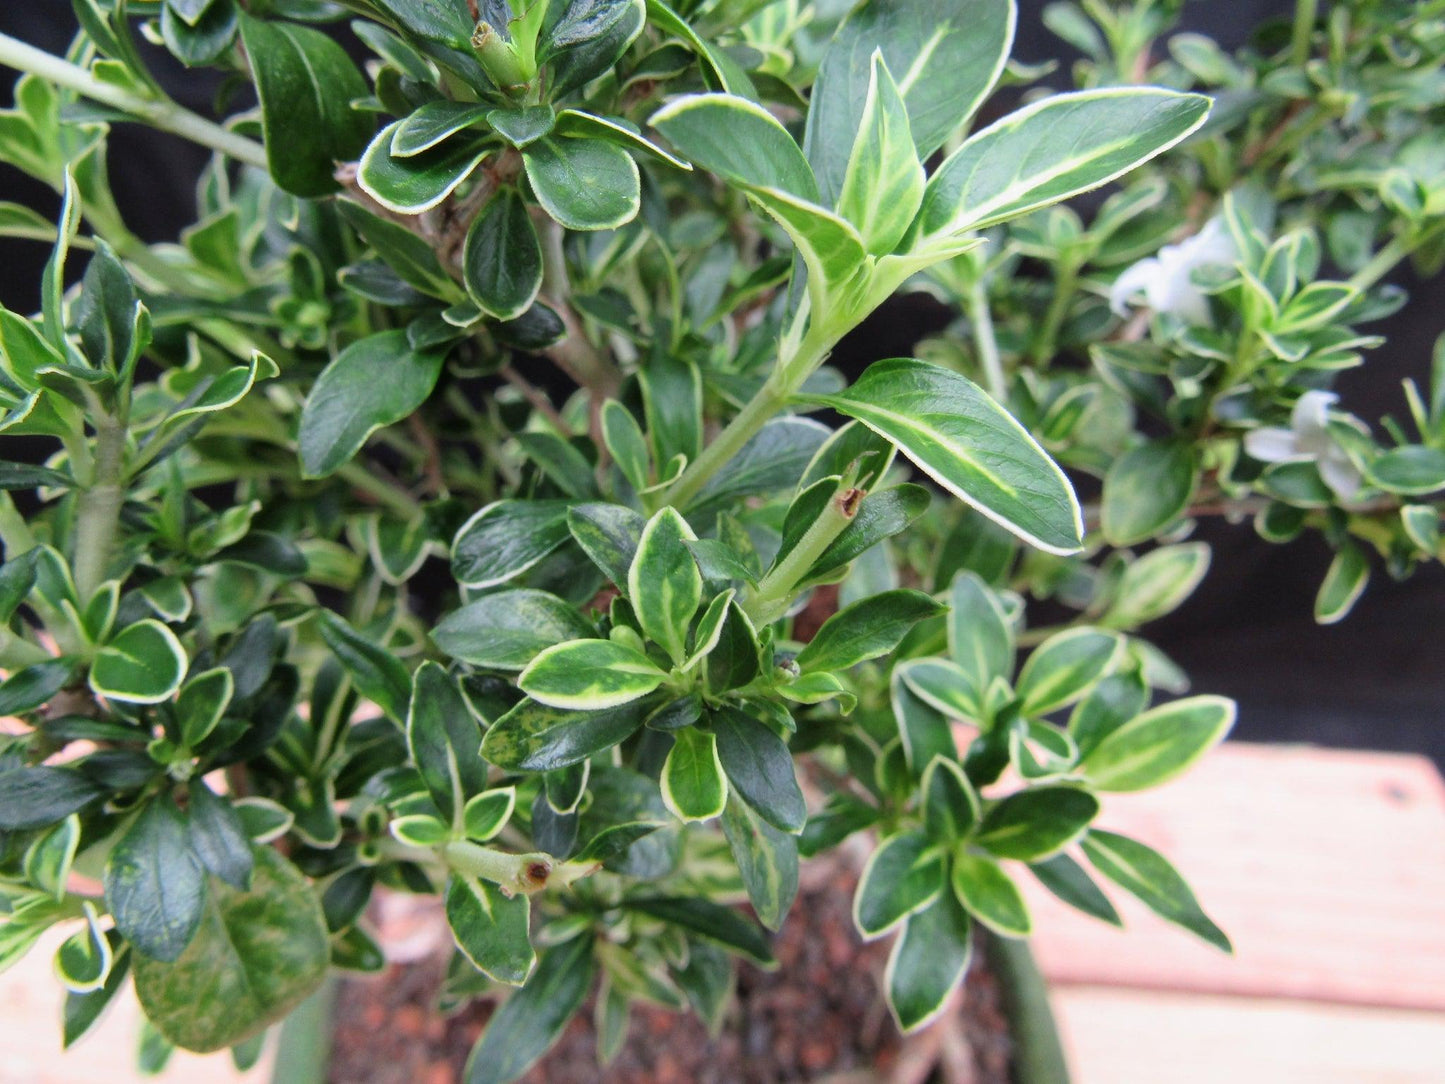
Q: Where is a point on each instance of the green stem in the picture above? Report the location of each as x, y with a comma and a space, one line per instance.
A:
782, 385
1047, 338
396, 499
769, 600
984, 341
165, 115
1385, 261
1305, 13
98, 511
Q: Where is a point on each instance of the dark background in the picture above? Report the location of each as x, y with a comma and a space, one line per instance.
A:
1375, 681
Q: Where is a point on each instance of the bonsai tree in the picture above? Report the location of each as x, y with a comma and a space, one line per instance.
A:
465, 504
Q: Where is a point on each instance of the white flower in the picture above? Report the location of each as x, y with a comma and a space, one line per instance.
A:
1166, 280
1308, 438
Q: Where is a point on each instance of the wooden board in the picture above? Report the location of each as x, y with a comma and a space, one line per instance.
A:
1326, 868
1117, 1036
30, 1004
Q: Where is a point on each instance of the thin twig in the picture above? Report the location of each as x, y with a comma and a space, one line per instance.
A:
540, 402
432, 464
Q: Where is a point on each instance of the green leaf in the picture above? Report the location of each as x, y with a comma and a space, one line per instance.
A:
881, 514
256, 955
502, 259
1037, 822
719, 70
710, 921
968, 444
24, 350
829, 245
411, 257
927, 962
217, 836
664, 584
758, 764
841, 816
419, 830
1071, 883
18, 938
738, 140
491, 929
533, 737
31, 686
672, 405
443, 738
34, 797
1065, 667
530, 1021
201, 702
767, 861
374, 382
990, 895
585, 38
84, 959
770, 461
574, 122
143, 664
1421, 523
506, 538
612, 843
883, 186
584, 184
710, 627
590, 675
561, 462
736, 657
626, 444
946, 60
1049, 151
950, 804
487, 813
1146, 490
265, 821
609, 534
432, 123
693, 784
420, 181
922, 727
678, 713
522, 124
105, 313
980, 635
83, 1009
1146, 874
1159, 745
1156, 584
48, 860
508, 629
442, 21
743, 143
17, 575
865, 630
1344, 583
1114, 701
1413, 470
903, 876
306, 84
155, 887
377, 674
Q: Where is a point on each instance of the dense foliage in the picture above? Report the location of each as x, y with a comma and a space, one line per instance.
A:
312, 588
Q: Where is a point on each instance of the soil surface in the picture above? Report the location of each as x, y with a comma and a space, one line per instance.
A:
819, 1017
